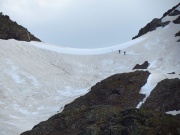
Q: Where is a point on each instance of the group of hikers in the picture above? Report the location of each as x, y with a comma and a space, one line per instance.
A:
120, 52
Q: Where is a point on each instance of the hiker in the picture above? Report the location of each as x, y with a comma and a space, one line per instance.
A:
119, 51
124, 53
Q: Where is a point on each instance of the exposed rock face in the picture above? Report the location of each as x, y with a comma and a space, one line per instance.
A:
165, 96
156, 23
143, 66
177, 34
170, 10
118, 90
11, 30
174, 13
107, 120
151, 26
177, 21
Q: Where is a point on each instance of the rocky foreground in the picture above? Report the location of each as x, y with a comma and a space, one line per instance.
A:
109, 109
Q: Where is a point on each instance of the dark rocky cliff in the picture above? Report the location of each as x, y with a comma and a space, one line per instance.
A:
11, 30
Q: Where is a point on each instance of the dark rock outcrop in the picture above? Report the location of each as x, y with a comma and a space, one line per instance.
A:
177, 20
177, 34
143, 66
156, 23
151, 26
11, 30
107, 120
164, 97
170, 10
118, 90
172, 73
174, 13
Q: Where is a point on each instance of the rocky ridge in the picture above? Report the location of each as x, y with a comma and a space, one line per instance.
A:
157, 22
118, 90
11, 30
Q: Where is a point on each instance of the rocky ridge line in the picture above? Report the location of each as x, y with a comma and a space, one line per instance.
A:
11, 30
157, 22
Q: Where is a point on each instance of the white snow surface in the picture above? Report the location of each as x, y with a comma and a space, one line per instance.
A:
38, 79
173, 112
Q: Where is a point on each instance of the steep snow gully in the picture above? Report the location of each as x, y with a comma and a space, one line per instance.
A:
38, 79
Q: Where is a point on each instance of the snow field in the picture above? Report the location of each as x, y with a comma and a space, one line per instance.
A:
38, 79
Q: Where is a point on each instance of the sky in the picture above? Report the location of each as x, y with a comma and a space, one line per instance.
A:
85, 23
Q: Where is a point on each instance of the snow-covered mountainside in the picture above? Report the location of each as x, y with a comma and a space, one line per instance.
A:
37, 80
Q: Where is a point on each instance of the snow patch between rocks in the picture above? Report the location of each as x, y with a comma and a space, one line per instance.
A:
146, 89
173, 112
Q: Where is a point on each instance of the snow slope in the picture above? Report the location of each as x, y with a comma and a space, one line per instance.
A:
38, 79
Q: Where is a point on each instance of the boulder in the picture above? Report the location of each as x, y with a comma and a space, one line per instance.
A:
143, 66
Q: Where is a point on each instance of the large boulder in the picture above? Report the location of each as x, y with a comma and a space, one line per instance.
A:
142, 66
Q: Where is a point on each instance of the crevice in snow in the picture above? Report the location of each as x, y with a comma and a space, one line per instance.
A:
60, 68
173, 112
